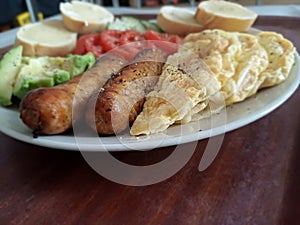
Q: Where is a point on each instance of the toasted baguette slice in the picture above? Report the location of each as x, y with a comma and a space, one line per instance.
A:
224, 15
84, 17
177, 20
46, 38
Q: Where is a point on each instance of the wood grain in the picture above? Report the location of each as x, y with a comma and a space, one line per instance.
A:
255, 178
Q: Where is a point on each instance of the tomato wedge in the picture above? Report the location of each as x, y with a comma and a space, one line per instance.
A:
107, 40
93, 45
131, 36
131, 44
110, 39
80, 45
152, 35
167, 42
89, 43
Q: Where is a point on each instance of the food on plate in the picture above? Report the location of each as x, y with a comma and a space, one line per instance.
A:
175, 20
49, 110
84, 17
173, 38
185, 85
164, 84
240, 63
281, 54
235, 58
132, 23
9, 67
21, 74
46, 38
243, 62
45, 71
107, 40
224, 15
113, 109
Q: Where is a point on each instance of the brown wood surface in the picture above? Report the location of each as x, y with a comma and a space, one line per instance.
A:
255, 178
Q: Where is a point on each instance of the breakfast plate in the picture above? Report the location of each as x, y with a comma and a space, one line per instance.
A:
233, 117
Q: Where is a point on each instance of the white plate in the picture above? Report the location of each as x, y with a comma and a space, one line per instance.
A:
237, 115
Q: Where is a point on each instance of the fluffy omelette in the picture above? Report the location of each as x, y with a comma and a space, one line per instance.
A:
214, 67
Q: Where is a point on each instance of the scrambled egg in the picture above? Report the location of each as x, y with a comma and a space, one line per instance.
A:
281, 54
214, 67
236, 59
183, 87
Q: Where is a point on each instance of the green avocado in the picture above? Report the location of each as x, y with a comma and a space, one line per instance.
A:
79, 63
47, 71
20, 74
9, 68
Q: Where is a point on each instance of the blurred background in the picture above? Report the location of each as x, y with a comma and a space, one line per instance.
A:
14, 13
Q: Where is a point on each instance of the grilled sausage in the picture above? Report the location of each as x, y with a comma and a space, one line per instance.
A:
115, 107
49, 110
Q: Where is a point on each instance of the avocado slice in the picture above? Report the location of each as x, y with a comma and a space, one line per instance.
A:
79, 63
9, 68
20, 74
47, 71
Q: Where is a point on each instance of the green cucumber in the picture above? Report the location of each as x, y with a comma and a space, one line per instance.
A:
131, 23
127, 23
151, 26
134, 23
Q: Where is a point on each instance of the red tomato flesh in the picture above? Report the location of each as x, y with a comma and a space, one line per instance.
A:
107, 40
110, 39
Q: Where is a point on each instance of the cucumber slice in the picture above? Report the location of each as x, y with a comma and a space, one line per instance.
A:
151, 26
132, 23
127, 23
117, 25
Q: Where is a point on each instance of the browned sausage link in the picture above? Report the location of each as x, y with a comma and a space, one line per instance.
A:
49, 110
118, 104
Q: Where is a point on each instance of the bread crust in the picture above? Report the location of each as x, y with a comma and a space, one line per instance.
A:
32, 46
175, 20
79, 22
215, 20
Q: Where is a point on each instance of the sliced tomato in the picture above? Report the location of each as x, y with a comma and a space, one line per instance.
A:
131, 42
173, 38
131, 36
134, 41
167, 42
89, 43
153, 35
80, 46
110, 39
125, 43
93, 45
127, 53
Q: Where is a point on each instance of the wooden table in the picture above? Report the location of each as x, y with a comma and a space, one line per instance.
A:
255, 178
